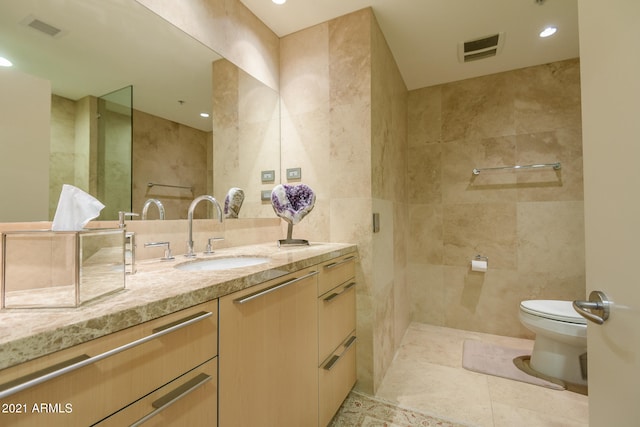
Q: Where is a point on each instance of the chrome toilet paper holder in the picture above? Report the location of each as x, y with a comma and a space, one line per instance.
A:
480, 263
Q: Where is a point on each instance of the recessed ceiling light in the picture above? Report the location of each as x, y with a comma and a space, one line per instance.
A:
205, 115
549, 31
4, 62
279, 1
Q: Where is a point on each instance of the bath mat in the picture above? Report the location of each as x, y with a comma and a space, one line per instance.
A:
522, 363
361, 410
498, 361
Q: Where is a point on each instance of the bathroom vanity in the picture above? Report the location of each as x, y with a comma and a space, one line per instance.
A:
283, 346
267, 344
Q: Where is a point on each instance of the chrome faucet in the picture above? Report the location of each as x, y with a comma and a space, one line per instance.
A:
122, 216
148, 203
192, 207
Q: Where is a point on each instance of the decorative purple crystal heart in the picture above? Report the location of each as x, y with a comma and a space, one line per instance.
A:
233, 202
292, 202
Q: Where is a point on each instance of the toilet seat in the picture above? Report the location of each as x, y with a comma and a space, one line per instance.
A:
561, 311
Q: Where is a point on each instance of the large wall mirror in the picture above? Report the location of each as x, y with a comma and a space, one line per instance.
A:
158, 82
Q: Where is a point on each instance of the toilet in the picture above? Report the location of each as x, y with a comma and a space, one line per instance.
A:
561, 338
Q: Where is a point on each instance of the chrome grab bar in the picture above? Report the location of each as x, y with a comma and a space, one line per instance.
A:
555, 166
155, 184
158, 332
596, 309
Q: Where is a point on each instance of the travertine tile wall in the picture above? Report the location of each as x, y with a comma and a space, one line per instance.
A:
62, 156
344, 123
389, 150
325, 92
246, 129
529, 223
167, 152
230, 29
73, 147
163, 152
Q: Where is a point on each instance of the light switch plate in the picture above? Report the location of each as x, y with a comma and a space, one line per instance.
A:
294, 173
268, 176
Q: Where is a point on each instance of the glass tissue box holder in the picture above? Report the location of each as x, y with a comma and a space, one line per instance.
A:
60, 269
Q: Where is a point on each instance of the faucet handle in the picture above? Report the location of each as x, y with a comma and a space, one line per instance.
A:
209, 250
168, 256
122, 215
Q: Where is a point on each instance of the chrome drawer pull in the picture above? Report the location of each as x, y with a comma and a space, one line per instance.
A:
173, 396
42, 372
331, 362
335, 264
273, 288
337, 294
82, 363
335, 358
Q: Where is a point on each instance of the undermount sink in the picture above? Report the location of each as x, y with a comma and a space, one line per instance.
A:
222, 263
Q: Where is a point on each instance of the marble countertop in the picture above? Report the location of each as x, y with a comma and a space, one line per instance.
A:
157, 289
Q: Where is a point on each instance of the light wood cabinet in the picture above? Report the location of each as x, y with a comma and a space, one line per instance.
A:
336, 335
190, 400
337, 377
100, 377
268, 354
286, 358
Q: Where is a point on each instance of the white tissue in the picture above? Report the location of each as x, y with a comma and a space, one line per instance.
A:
478, 265
75, 209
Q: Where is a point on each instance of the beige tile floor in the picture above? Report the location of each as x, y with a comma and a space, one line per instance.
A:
427, 375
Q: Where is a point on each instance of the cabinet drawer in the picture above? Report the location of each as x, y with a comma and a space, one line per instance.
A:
335, 272
190, 400
336, 377
114, 370
336, 317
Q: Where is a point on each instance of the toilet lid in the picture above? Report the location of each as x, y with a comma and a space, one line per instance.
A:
553, 309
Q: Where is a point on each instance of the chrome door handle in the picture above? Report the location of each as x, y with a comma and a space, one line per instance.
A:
596, 309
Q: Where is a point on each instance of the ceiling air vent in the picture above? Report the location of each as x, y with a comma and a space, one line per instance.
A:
484, 47
42, 26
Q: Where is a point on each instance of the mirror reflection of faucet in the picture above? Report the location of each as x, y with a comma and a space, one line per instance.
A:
122, 216
190, 253
129, 243
148, 203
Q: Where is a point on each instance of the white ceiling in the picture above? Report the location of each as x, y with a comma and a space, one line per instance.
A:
423, 34
107, 45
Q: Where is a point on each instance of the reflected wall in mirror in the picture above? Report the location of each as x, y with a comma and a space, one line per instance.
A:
115, 134
104, 45
90, 148
25, 105
246, 137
